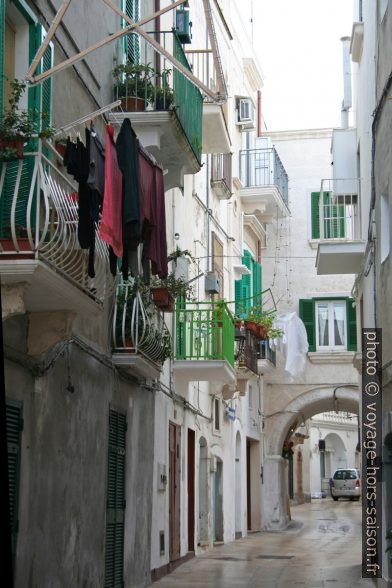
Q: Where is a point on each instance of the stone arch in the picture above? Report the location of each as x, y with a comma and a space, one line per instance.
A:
279, 426
306, 405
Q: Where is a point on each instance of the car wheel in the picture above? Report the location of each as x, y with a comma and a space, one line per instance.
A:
335, 498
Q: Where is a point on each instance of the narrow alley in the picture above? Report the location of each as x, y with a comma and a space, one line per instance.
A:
320, 548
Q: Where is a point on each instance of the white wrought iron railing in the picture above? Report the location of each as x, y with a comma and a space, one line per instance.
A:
138, 325
202, 63
339, 210
39, 220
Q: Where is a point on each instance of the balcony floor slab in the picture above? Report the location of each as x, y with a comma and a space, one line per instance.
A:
215, 134
265, 200
162, 135
46, 289
344, 257
209, 370
136, 364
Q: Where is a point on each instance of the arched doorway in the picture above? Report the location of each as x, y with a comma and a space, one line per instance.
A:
203, 492
238, 481
280, 425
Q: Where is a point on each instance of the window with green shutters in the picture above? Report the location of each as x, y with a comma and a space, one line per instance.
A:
330, 323
333, 215
115, 505
132, 41
14, 426
39, 100
248, 289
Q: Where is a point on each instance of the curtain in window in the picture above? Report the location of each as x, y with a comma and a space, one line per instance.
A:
338, 318
323, 324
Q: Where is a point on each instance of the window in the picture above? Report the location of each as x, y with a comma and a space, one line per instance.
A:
339, 212
216, 414
248, 289
132, 41
385, 241
217, 262
330, 324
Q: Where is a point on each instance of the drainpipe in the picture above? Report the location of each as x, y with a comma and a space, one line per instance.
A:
347, 94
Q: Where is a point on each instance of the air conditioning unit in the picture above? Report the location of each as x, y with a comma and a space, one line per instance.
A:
246, 114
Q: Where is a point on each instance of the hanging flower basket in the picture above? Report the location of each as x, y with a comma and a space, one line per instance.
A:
163, 299
262, 332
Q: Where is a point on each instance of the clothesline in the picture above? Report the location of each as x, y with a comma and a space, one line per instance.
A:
88, 117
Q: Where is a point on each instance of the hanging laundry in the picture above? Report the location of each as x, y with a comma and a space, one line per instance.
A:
77, 162
96, 176
111, 221
127, 156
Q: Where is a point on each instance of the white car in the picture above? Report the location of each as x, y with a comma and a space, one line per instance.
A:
346, 482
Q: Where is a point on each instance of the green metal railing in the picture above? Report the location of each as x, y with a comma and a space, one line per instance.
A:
204, 331
189, 102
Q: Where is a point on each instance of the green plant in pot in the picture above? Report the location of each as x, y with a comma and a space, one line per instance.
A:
174, 255
16, 126
261, 325
162, 95
165, 291
133, 85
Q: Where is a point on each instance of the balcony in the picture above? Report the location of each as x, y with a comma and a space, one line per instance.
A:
141, 341
246, 350
39, 246
341, 249
266, 357
204, 347
221, 177
216, 137
265, 183
168, 113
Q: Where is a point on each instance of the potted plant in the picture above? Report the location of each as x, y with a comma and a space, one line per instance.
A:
133, 85
165, 291
16, 126
162, 94
261, 325
219, 307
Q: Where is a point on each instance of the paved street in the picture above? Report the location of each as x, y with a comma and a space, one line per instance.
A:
321, 549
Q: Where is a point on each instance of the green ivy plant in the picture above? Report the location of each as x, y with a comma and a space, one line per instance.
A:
174, 255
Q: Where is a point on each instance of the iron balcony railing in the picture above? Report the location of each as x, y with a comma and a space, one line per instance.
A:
246, 349
138, 326
161, 87
221, 170
339, 210
265, 351
202, 64
204, 331
39, 220
263, 167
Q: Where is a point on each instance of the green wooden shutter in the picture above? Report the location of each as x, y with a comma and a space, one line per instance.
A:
34, 104
257, 286
132, 41
2, 32
351, 325
14, 425
247, 283
307, 314
46, 98
238, 297
315, 214
114, 551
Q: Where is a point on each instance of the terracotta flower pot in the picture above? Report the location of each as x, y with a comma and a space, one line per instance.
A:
133, 104
163, 299
262, 332
251, 326
16, 144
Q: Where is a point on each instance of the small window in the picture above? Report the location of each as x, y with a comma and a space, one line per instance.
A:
385, 237
331, 327
216, 414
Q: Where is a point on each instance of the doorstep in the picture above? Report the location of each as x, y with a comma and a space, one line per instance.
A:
158, 573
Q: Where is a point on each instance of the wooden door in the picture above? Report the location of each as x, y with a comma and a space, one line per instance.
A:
248, 486
174, 490
191, 490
